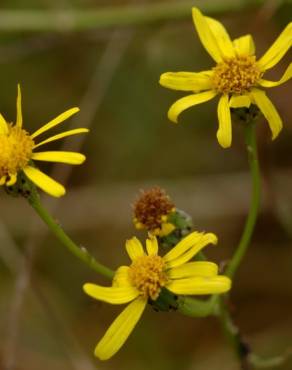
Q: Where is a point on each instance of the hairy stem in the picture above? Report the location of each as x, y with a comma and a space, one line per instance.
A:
79, 252
232, 334
230, 330
193, 307
250, 139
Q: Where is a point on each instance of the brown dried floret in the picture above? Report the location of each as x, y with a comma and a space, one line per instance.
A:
151, 207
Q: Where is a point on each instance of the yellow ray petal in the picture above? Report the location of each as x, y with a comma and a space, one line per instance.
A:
191, 252
12, 179
244, 45
60, 157
152, 245
239, 101
166, 229
268, 110
2, 180
62, 135
134, 248
121, 277
200, 285
120, 329
222, 38
187, 81
188, 101
185, 244
278, 49
113, 295
56, 121
191, 269
286, 76
206, 35
18, 108
44, 182
224, 133
3, 125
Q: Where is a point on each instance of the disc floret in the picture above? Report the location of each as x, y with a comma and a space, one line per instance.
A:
236, 75
15, 150
151, 211
147, 274
18, 155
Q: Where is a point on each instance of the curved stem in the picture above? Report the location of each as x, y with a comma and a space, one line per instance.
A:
193, 307
229, 328
232, 333
250, 140
57, 230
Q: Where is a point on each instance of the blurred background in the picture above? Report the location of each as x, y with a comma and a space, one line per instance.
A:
99, 56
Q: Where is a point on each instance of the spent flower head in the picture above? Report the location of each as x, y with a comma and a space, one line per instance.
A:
145, 278
237, 76
17, 151
152, 211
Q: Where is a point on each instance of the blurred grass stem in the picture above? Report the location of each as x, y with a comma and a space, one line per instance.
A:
79, 252
112, 16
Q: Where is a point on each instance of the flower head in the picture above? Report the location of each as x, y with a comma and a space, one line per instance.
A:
17, 151
144, 279
152, 210
237, 76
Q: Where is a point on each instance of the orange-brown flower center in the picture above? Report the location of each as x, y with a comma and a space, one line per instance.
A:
152, 208
15, 150
236, 75
147, 275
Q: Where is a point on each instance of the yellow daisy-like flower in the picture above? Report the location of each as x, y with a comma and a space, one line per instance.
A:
17, 150
237, 77
145, 277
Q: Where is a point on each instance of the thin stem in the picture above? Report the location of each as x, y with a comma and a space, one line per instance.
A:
229, 328
232, 334
113, 16
250, 140
197, 308
57, 230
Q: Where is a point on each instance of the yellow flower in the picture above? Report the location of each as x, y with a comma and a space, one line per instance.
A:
145, 277
17, 150
237, 77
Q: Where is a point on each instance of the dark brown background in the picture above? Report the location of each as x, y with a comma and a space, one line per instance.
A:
46, 321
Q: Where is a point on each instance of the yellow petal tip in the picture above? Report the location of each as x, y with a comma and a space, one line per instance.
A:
86, 287
61, 193
101, 356
171, 116
82, 158
196, 10
223, 141
161, 79
214, 239
275, 135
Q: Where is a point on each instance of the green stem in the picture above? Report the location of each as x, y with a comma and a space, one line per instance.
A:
113, 16
250, 139
57, 230
197, 308
232, 334
229, 328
